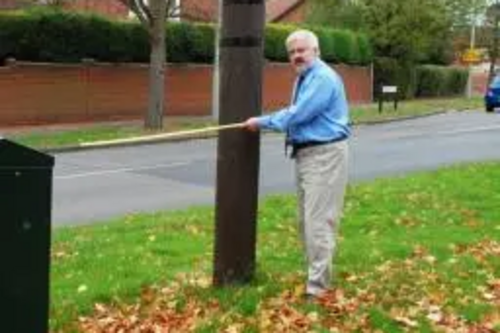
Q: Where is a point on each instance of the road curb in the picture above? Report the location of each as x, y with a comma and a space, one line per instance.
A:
392, 120
77, 148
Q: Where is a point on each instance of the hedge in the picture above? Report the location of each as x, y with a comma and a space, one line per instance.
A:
419, 80
433, 81
389, 71
58, 36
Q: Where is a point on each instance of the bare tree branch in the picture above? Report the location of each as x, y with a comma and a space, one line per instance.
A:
172, 9
132, 5
152, 14
145, 9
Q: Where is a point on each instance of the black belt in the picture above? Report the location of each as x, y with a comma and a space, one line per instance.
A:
298, 146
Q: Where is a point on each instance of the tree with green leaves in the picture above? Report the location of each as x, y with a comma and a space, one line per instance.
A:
467, 23
465, 13
343, 14
407, 30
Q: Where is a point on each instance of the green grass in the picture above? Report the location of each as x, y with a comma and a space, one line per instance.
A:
60, 138
73, 134
416, 253
64, 136
370, 113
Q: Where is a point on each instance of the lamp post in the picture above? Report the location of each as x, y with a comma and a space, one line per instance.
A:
469, 91
216, 66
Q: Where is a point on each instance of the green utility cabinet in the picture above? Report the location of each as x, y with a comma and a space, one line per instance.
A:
25, 228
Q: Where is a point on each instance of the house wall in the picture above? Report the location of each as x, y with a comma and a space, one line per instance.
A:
10, 4
199, 10
109, 8
206, 11
35, 94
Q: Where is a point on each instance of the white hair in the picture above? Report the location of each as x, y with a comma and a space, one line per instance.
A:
306, 35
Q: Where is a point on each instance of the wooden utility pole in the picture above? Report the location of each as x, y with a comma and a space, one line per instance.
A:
241, 61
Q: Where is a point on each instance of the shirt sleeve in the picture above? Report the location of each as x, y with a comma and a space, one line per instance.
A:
313, 100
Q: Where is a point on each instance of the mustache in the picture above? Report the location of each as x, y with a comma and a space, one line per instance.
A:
299, 61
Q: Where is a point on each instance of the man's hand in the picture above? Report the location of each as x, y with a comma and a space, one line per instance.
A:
251, 124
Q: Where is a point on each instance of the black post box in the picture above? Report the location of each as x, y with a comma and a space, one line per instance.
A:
25, 225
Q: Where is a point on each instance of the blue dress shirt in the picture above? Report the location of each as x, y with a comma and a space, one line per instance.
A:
319, 111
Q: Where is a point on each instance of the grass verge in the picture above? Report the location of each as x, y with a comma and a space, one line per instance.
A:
63, 136
416, 253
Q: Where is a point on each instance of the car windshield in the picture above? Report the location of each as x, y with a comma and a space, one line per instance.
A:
496, 82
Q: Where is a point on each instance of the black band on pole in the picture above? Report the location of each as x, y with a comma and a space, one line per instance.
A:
244, 41
243, 2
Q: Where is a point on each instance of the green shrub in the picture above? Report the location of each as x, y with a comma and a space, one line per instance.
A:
59, 36
389, 71
419, 81
365, 50
56, 36
457, 80
433, 81
274, 41
190, 42
344, 44
327, 44
430, 81
11, 28
133, 45
180, 41
205, 43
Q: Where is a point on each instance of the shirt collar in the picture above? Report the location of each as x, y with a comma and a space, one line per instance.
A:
312, 66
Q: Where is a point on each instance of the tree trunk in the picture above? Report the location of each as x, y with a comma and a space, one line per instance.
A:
154, 117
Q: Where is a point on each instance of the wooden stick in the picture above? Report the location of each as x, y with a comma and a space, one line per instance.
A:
153, 137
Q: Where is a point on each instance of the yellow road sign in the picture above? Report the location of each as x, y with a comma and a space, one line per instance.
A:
471, 56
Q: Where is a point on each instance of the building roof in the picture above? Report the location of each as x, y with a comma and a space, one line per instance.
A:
206, 10
200, 10
276, 9
11, 4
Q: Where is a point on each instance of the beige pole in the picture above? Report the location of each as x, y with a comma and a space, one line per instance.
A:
161, 136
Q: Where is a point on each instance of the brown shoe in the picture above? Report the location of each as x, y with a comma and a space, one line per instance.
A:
309, 298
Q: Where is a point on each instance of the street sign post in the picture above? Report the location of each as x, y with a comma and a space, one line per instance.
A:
471, 56
386, 93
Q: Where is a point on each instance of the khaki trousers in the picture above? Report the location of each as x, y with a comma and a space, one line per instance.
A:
321, 173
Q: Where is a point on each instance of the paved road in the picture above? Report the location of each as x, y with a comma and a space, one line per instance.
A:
100, 184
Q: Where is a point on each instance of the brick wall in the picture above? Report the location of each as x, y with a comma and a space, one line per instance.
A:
45, 93
479, 82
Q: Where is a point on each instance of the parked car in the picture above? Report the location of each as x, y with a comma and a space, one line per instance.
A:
492, 96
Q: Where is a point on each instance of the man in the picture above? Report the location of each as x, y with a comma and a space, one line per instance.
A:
317, 128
